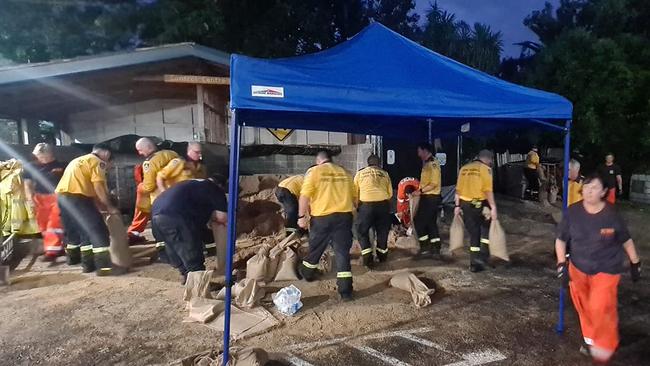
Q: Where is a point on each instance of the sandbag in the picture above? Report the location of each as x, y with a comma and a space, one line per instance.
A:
220, 233
287, 267
275, 256
198, 285
248, 356
246, 293
414, 202
119, 245
257, 265
497, 238
204, 310
457, 233
420, 293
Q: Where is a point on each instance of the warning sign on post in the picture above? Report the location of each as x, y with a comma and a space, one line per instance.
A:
280, 133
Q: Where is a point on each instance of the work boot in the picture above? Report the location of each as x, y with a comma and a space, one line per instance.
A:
425, 250
73, 254
87, 259
162, 255
307, 274
344, 286
103, 262
210, 250
476, 266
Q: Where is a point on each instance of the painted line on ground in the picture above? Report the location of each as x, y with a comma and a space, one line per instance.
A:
479, 358
468, 359
387, 359
423, 341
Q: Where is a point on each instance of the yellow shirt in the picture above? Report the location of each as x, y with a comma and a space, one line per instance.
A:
430, 176
150, 168
575, 191
532, 160
179, 170
80, 174
474, 180
293, 184
329, 188
372, 184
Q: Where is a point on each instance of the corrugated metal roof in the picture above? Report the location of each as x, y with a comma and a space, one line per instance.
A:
24, 72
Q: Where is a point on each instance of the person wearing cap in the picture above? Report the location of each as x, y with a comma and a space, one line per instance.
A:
81, 188
40, 180
426, 217
287, 193
180, 217
531, 171
373, 191
327, 195
473, 193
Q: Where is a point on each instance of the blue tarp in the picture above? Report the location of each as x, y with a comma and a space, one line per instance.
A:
382, 83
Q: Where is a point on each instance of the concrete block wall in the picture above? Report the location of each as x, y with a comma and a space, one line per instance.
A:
276, 164
640, 188
354, 157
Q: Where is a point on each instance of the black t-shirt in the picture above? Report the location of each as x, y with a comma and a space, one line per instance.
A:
596, 239
50, 172
609, 173
192, 200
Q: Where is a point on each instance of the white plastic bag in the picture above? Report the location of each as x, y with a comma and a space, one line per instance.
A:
287, 300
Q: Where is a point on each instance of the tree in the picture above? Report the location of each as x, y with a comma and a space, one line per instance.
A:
398, 15
600, 60
35, 31
476, 46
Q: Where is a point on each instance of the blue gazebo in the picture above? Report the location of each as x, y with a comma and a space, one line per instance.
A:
377, 83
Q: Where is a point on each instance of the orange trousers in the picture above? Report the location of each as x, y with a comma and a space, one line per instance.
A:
49, 222
139, 223
611, 196
595, 300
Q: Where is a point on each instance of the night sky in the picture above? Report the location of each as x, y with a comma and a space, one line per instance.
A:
506, 16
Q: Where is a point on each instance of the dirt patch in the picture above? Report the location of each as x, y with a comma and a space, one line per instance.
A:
75, 319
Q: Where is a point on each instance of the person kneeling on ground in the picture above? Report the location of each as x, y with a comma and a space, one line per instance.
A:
179, 216
599, 238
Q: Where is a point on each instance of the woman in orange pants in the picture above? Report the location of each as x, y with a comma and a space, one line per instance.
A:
599, 241
41, 178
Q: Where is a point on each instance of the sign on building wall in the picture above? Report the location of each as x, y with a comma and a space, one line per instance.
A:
280, 133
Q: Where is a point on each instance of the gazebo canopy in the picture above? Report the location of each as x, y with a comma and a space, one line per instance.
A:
381, 83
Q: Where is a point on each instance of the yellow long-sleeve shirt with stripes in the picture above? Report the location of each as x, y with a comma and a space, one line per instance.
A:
329, 188
474, 181
431, 177
293, 184
179, 170
81, 174
150, 168
372, 184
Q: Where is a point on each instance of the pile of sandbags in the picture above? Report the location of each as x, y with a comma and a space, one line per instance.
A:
275, 262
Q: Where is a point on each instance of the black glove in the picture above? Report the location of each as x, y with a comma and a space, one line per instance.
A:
563, 274
635, 271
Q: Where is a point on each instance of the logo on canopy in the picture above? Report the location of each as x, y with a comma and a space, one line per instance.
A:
280, 133
267, 91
